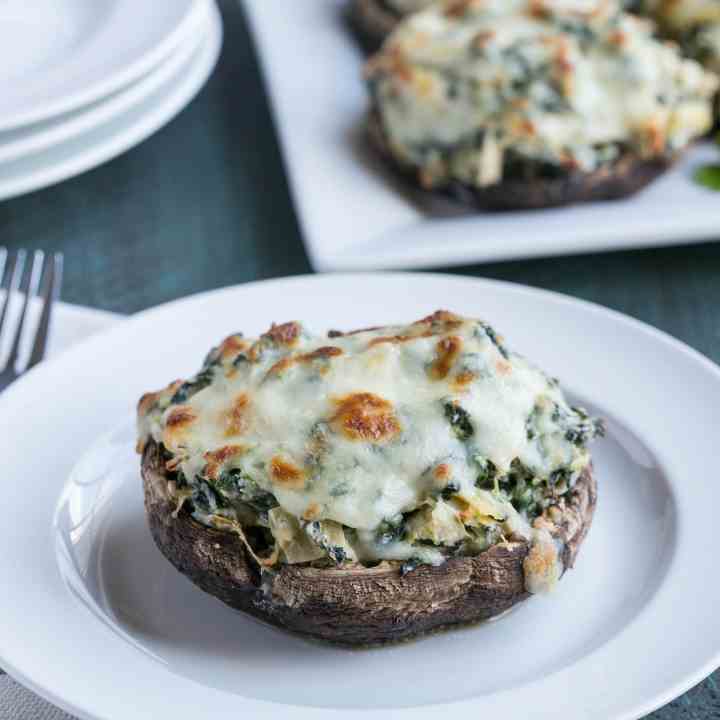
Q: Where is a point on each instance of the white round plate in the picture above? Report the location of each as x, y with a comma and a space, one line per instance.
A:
95, 619
61, 54
18, 143
110, 129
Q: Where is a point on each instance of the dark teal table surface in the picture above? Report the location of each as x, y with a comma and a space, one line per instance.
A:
205, 203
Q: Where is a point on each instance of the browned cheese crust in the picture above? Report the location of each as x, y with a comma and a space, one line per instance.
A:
357, 605
623, 178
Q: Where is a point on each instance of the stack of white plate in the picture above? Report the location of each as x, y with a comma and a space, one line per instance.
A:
84, 80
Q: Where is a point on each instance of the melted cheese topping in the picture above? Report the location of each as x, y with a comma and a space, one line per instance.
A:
693, 23
468, 88
389, 443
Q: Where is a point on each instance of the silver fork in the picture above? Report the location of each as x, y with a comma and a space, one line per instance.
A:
41, 277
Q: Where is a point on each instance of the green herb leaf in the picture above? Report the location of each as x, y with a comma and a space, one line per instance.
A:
487, 473
459, 420
390, 530
708, 176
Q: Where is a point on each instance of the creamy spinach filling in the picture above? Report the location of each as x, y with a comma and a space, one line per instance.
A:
694, 24
410, 443
481, 92
702, 43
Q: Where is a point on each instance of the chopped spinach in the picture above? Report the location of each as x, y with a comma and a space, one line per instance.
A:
452, 488
584, 428
390, 530
180, 479
485, 330
522, 498
460, 421
531, 423
577, 27
236, 485
240, 359
487, 472
579, 428
560, 481
202, 380
205, 499
339, 489
337, 553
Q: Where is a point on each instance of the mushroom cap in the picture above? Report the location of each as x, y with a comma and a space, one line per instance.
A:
356, 605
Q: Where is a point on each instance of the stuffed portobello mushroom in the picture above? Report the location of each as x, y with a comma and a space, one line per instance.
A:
694, 24
513, 104
374, 20
370, 486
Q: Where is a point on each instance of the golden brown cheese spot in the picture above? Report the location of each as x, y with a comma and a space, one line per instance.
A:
482, 39
146, 402
526, 127
177, 423
541, 560
618, 38
443, 471
149, 399
654, 136
215, 459
565, 69
399, 339
180, 417
280, 366
390, 61
458, 8
366, 417
462, 380
323, 353
231, 347
448, 350
442, 317
312, 512
538, 9
340, 333
236, 416
285, 334
285, 473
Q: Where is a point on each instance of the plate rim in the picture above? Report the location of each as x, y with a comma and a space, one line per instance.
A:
412, 239
39, 110
680, 686
56, 130
200, 63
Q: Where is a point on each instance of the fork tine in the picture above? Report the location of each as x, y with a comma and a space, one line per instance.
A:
3, 268
50, 293
11, 281
30, 290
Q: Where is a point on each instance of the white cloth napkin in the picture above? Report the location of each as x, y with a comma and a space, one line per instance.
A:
71, 324
17, 703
